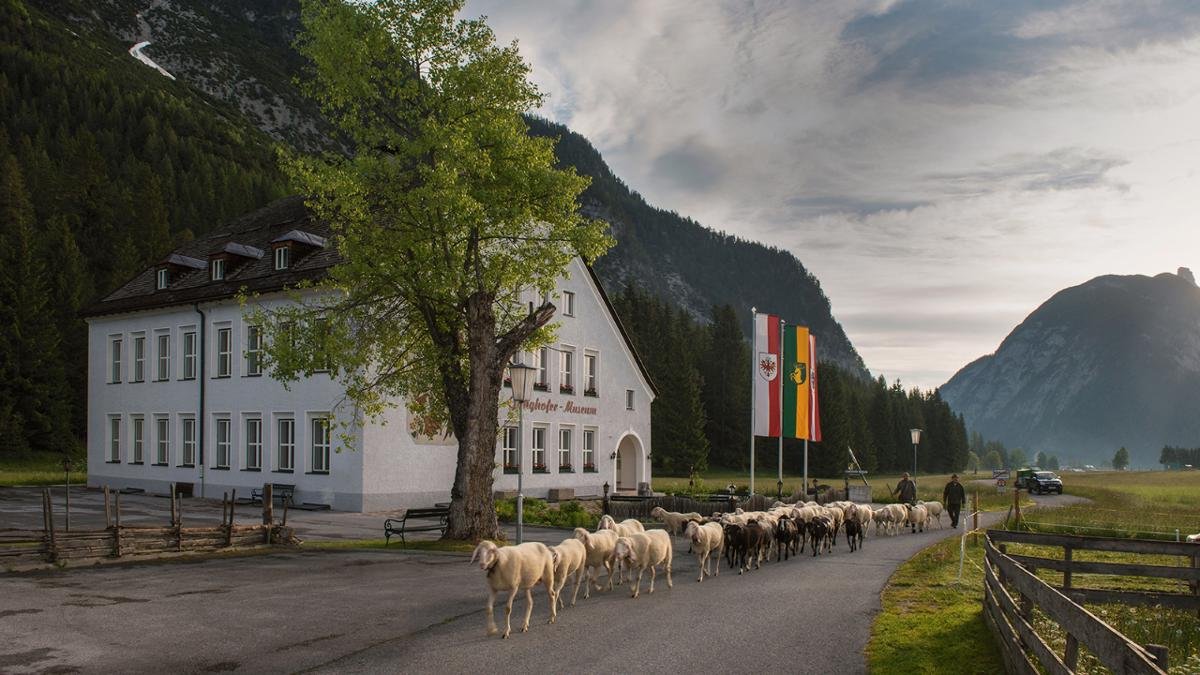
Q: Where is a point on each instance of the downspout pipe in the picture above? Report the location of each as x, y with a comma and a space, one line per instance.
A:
202, 376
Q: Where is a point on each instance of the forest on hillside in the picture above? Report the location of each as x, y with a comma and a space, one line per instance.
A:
104, 167
702, 416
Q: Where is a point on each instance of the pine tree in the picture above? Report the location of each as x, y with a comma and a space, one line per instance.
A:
725, 367
69, 288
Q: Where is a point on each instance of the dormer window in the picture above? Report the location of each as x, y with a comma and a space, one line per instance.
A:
162, 279
295, 244
218, 269
282, 257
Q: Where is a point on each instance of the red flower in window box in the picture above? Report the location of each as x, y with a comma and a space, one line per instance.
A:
566, 389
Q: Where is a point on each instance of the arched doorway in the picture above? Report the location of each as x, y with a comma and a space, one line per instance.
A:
629, 462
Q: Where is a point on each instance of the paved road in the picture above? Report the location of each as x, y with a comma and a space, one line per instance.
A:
383, 611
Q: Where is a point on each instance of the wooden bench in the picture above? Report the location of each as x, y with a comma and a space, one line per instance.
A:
281, 491
399, 526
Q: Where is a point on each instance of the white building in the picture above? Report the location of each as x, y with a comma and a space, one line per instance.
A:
176, 392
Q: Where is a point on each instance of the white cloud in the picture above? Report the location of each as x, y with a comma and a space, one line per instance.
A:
993, 152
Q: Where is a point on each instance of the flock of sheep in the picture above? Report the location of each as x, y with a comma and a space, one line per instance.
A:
744, 539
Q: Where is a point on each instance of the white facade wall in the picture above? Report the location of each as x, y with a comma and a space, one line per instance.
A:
387, 465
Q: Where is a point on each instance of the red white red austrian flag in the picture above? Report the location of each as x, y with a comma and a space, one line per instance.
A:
766, 370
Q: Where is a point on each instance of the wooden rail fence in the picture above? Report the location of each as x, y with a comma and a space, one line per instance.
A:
22, 548
1009, 614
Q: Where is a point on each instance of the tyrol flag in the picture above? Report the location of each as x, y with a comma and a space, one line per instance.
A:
785, 387
766, 375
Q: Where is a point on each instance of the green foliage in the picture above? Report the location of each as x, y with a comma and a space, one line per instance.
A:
972, 461
1052, 463
1120, 460
993, 460
538, 512
1017, 458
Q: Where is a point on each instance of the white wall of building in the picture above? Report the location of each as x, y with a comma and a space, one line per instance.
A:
386, 465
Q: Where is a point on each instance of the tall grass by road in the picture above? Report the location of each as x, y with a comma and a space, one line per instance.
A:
43, 468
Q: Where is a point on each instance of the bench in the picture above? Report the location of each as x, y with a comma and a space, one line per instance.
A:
281, 491
399, 526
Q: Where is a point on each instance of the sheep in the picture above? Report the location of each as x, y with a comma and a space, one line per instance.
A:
599, 547
515, 568
759, 537
787, 538
854, 534
917, 517
836, 516
1193, 539
935, 511
819, 531
624, 528
864, 515
570, 557
705, 540
675, 522
642, 550
735, 543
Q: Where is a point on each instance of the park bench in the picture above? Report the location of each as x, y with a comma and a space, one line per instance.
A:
431, 519
281, 491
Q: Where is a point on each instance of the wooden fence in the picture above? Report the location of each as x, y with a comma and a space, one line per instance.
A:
23, 548
1009, 615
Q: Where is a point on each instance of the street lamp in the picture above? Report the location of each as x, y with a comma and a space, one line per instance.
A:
522, 388
916, 439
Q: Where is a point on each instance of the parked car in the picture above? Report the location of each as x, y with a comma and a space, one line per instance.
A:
1039, 482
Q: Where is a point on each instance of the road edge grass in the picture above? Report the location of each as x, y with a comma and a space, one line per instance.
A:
928, 621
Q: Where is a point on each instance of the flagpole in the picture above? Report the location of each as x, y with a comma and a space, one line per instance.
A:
782, 351
753, 371
812, 360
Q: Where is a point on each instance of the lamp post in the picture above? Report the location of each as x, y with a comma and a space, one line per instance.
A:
916, 439
522, 387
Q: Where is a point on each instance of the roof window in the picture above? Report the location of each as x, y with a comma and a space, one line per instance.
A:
218, 269
283, 256
162, 278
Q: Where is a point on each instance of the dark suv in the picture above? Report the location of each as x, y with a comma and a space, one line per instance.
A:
1045, 482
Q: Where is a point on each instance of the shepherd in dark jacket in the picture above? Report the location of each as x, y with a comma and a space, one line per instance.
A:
907, 491
954, 497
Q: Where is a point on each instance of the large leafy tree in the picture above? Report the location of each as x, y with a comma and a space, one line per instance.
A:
444, 215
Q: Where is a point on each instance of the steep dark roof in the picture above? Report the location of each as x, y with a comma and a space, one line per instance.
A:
250, 233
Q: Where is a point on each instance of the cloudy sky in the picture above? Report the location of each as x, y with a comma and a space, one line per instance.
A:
942, 167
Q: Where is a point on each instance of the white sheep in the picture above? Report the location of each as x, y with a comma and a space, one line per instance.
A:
917, 517
674, 520
645, 549
935, 511
1193, 539
512, 569
865, 516
599, 547
570, 556
624, 528
706, 539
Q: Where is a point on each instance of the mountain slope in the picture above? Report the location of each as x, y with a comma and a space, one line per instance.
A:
1112, 362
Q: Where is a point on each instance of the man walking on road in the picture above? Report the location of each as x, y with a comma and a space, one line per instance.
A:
907, 491
954, 497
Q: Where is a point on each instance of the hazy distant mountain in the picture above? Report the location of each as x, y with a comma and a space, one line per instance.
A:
1111, 362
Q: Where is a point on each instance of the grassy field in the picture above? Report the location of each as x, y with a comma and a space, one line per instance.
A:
1125, 504
929, 622
39, 469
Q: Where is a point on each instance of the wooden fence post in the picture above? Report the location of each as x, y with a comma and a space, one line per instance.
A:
229, 527
268, 514
1071, 656
48, 509
1017, 506
1067, 552
1159, 652
107, 510
117, 529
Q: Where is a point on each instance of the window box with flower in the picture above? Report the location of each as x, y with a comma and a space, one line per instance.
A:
510, 468
589, 468
565, 468
591, 392
540, 468
541, 386
566, 389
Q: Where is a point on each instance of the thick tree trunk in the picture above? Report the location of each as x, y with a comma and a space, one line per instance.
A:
472, 500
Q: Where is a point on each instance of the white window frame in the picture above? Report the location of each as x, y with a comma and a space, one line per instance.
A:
537, 445
285, 444
629, 399
162, 440
568, 303
253, 351
189, 355
566, 439
566, 370
319, 443
222, 442
187, 441
218, 269
254, 444
542, 356
139, 358
283, 257
137, 451
162, 279
114, 438
588, 444
224, 350
508, 447
162, 355
591, 373
114, 359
